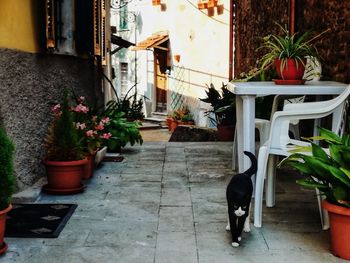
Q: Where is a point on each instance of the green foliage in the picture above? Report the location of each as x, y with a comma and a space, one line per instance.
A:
122, 131
329, 172
223, 105
62, 142
7, 178
287, 46
130, 105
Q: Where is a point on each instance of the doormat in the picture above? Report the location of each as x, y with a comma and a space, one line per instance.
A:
113, 158
38, 220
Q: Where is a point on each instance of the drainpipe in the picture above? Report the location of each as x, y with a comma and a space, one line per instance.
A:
231, 43
291, 17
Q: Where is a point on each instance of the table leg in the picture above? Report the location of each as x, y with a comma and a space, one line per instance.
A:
245, 110
248, 129
239, 130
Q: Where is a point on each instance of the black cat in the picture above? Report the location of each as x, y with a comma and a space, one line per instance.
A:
239, 194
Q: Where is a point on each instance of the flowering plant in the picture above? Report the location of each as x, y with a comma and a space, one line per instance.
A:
89, 125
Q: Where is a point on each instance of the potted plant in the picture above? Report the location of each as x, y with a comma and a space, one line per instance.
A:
330, 173
65, 157
7, 182
223, 106
288, 53
91, 130
121, 130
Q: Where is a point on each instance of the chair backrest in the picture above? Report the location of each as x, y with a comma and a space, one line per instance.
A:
279, 136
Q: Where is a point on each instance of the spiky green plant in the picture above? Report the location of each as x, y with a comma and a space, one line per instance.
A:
329, 172
7, 178
62, 142
289, 46
223, 105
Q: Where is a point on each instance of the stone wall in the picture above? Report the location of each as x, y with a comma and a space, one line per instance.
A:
29, 84
334, 47
254, 19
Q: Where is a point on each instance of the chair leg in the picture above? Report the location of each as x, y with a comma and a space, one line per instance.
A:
323, 213
271, 181
259, 185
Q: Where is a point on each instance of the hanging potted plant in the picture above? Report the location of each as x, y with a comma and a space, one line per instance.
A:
65, 157
330, 173
156, 2
223, 106
202, 4
7, 182
288, 53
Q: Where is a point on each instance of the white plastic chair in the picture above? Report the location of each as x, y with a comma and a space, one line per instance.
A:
279, 143
312, 73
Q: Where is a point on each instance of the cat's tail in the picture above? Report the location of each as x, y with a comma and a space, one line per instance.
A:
254, 167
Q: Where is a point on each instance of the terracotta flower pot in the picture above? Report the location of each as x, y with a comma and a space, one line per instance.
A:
89, 166
168, 121
202, 5
210, 11
173, 126
3, 213
64, 177
220, 9
226, 132
339, 218
293, 70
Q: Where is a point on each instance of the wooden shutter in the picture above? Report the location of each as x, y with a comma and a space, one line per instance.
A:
50, 24
100, 47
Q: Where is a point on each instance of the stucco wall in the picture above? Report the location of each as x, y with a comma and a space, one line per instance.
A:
19, 24
29, 83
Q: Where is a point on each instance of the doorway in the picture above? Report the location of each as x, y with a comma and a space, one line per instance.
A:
160, 82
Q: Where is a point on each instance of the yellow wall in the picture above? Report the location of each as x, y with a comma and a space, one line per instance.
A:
18, 27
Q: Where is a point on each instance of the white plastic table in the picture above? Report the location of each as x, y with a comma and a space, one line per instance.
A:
246, 92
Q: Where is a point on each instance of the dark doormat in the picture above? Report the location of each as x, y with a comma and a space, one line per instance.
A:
113, 158
38, 220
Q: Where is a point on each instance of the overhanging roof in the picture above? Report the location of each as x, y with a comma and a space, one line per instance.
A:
153, 41
116, 40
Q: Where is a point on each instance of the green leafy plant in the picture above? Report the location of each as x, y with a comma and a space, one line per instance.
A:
288, 46
7, 178
130, 104
62, 142
223, 105
122, 131
329, 172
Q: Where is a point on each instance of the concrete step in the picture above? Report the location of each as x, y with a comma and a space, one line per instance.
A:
147, 125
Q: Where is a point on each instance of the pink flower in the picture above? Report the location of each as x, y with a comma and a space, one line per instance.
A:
81, 99
81, 108
80, 126
90, 133
56, 109
94, 118
99, 127
105, 120
106, 136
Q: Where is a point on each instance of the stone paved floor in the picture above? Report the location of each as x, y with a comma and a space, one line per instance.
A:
166, 203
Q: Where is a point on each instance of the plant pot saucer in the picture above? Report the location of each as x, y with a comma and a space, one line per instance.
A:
3, 248
289, 81
69, 191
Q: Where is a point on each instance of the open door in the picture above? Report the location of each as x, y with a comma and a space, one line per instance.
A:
160, 84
